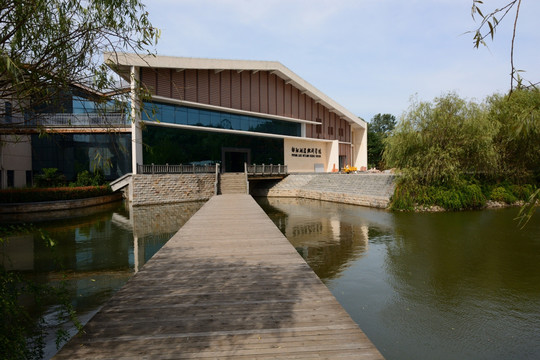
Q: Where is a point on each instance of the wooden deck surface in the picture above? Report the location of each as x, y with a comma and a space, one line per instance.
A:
228, 285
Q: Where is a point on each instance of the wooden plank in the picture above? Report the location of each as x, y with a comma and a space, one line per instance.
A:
228, 285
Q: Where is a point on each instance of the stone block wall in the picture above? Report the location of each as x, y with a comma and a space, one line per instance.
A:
373, 190
171, 188
162, 219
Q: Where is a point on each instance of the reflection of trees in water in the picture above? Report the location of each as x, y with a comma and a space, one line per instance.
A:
448, 256
328, 260
327, 243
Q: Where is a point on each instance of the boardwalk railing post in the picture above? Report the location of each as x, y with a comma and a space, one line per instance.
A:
152, 168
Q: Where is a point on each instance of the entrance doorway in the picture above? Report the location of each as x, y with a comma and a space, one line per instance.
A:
233, 159
342, 160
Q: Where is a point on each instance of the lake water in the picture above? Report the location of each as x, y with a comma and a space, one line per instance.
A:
463, 285
422, 286
97, 250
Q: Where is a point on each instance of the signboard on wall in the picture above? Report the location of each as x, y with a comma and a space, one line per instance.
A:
306, 152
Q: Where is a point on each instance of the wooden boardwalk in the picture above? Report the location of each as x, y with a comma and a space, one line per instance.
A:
228, 285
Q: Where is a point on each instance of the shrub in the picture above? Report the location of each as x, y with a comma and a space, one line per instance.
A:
502, 195
448, 199
472, 197
50, 177
85, 178
522, 192
402, 199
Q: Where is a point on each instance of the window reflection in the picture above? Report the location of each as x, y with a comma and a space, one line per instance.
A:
217, 119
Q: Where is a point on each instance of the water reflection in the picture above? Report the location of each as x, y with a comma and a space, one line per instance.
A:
425, 286
318, 233
95, 252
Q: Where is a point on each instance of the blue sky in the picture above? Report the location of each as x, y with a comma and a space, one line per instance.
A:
371, 56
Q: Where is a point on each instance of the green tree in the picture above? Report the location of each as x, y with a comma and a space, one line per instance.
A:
487, 28
48, 45
435, 143
379, 128
517, 142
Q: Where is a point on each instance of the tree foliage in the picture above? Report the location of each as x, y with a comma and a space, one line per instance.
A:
489, 23
434, 143
47, 45
379, 128
518, 140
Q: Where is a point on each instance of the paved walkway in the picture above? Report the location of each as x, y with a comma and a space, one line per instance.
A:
228, 285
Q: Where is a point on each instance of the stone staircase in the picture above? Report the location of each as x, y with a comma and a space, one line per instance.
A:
233, 183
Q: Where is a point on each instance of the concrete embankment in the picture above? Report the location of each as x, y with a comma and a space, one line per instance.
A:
373, 190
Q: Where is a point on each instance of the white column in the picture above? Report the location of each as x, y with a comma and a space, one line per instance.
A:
332, 151
360, 148
136, 131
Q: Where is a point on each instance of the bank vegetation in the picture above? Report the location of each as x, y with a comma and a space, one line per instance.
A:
457, 154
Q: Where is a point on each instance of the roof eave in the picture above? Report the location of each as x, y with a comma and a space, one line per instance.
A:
124, 61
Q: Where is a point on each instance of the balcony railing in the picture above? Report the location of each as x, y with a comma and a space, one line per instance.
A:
267, 169
62, 120
176, 169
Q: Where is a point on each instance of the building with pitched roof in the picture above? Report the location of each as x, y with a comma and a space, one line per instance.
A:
236, 112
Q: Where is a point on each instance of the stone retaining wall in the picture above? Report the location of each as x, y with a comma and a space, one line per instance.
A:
373, 190
48, 206
171, 188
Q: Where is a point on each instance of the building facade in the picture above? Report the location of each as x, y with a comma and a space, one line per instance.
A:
241, 106
196, 111
79, 130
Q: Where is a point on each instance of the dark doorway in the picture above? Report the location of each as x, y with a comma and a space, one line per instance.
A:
342, 160
233, 159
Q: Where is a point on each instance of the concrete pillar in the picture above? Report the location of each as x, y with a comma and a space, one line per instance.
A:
332, 151
136, 131
359, 148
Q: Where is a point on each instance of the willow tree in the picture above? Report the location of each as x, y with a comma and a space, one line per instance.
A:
436, 143
48, 45
490, 21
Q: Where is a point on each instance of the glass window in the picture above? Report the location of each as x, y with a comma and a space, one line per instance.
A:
216, 120
8, 111
10, 178
204, 118
193, 117
181, 115
83, 106
199, 117
28, 178
150, 112
167, 114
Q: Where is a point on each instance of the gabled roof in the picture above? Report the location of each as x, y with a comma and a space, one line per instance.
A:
121, 63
